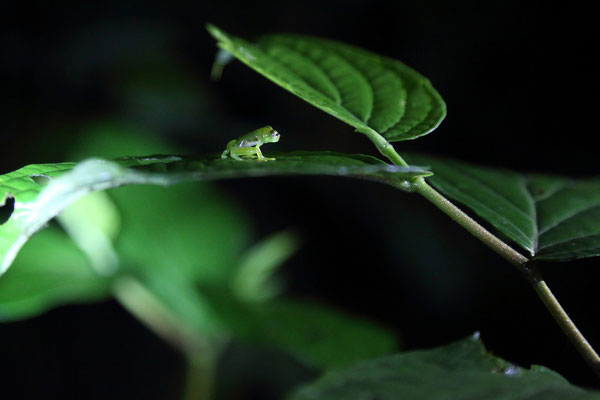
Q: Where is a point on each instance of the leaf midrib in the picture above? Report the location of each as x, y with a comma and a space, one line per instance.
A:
338, 99
383, 65
568, 217
533, 205
271, 59
340, 103
333, 49
500, 196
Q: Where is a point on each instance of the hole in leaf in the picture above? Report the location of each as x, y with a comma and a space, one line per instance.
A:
7, 209
40, 179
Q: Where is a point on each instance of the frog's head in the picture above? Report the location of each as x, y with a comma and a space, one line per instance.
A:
272, 136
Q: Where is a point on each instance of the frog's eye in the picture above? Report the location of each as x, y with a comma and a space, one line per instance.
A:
275, 133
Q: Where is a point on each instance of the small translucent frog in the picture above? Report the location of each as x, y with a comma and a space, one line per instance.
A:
248, 146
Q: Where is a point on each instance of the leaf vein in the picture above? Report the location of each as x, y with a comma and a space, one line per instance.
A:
523, 187
568, 217
552, 244
494, 192
338, 96
340, 103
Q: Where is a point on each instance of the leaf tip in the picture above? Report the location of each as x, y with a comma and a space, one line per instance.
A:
216, 33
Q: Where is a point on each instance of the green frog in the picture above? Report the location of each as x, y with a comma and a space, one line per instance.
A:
247, 147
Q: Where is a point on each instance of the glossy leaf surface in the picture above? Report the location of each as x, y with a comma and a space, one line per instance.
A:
462, 370
40, 192
551, 217
370, 92
184, 252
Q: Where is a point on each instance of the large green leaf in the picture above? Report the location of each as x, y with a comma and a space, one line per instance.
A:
253, 280
552, 217
367, 91
316, 333
36, 201
463, 370
313, 332
189, 234
195, 266
50, 271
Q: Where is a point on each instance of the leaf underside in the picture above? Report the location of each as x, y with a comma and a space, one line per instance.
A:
552, 217
192, 273
367, 91
462, 370
36, 201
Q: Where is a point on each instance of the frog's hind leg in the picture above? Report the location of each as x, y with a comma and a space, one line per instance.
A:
242, 154
228, 148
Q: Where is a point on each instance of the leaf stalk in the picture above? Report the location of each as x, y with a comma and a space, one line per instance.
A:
489, 239
200, 352
529, 271
384, 147
568, 327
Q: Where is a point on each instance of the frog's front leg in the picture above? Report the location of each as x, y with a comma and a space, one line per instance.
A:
260, 156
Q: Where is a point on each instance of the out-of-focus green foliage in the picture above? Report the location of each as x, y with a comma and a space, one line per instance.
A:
50, 271
314, 332
185, 248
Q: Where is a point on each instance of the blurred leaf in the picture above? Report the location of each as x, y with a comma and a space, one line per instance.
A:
49, 271
311, 331
367, 91
113, 139
462, 370
93, 222
176, 247
165, 98
184, 235
253, 280
189, 229
33, 208
189, 256
553, 217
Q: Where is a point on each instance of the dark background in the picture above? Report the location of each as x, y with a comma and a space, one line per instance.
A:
518, 78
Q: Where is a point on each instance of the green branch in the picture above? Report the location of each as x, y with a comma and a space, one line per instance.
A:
568, 327
200, 352
489, 239
515, 258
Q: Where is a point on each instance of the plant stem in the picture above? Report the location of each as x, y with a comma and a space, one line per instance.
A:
515, 258
567, 325
200, 352
201, 368
385, 147
140, 302
421, 187
507, 252
521, 262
